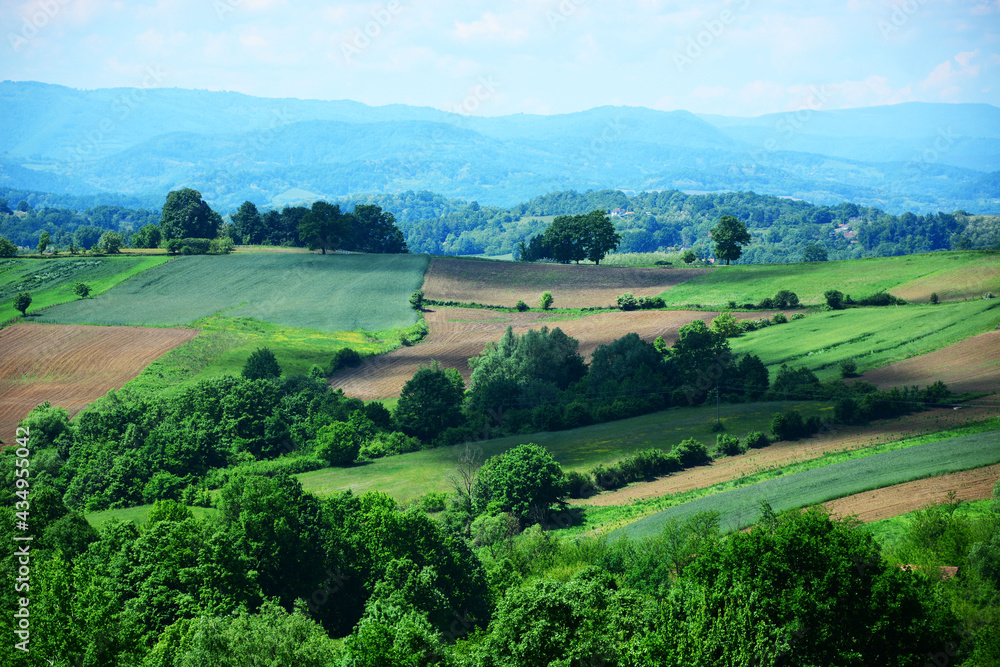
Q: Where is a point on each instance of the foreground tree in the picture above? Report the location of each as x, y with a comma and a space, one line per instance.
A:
729, 236
186, 216
324, 227
430, 402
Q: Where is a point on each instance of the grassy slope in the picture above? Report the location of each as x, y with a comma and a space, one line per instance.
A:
411, 475
943, 272
740, 507
325, 292
224, 344
50, 281
890, 531
872, 336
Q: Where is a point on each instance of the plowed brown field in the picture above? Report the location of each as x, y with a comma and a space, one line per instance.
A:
972, 364
572, 286
457, 334
71, 366
892, 501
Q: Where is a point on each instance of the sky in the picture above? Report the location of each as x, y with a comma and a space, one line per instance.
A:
737, 58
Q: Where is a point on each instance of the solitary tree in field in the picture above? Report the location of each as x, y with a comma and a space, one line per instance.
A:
417, 300
186, 215
545, 301
81, 290
730, 235
324, 226
111, 243
21, 302
261, 364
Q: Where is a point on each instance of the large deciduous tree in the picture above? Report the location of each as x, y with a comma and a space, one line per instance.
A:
523, 481
430, 402
601, 235
375, 230
186, 215
324, 227
730, 235
249, 227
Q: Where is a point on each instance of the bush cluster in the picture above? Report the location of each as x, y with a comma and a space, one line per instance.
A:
628, 301
782, 299
647, 464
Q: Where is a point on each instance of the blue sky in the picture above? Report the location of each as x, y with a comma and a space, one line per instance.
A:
744, 57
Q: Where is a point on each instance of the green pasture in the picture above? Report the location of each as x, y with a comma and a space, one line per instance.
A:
409, 476
324, 292
942, 272
139, 514
50, 281
873, 336
740, 507
224, 343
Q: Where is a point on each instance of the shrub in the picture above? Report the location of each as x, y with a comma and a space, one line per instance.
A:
692, 453
220, 246
651, 302
728, 445
788, 425
343, 358
689, 256
579, 485
881, 299
934, 297
21, 302
798, 316
261, 364
834, 299
417, 300
337, 444
521, 306
726, 325
627, 301
848, 368
432, 502
389, 444
756, 440
779, 318
545, 301
577, 414
786, 299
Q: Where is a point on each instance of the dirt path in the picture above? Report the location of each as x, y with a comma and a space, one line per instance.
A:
785, 453
458, 334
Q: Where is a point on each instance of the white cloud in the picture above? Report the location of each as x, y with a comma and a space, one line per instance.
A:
491, 27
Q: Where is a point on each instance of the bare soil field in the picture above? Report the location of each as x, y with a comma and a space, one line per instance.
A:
458, 334
785, 453
972, 364
71, 366
892, 501
572, 286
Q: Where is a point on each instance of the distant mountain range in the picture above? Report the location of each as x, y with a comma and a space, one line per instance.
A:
233, 147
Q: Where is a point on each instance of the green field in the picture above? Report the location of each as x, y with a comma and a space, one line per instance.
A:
139, 514
872, 336
224, 344
944, 272
50, 281
324, 292
409, 476
740, 507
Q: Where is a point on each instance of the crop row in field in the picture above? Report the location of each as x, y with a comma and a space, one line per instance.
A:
871, 336
50, 281
325, 292
741, 507
572, 286
409, 476
952, 275
71, 366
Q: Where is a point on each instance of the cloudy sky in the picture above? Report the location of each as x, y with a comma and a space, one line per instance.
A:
739, 57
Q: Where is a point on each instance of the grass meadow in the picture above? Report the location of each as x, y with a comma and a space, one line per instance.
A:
50, 281
409, 476
740, 507
324, 292
952, 275
872, 336
138, 515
